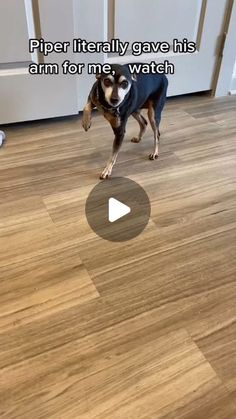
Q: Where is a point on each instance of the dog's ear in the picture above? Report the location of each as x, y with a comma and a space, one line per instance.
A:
98, 76
134, 77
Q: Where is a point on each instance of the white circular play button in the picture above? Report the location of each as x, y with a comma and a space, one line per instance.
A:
118, 209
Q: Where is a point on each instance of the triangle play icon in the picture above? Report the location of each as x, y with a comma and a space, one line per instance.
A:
117, 210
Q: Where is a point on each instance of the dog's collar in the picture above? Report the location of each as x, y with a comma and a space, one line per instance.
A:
114, 111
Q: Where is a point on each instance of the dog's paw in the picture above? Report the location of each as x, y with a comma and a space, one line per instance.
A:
135, 140
105, 174
86, 122
153, 156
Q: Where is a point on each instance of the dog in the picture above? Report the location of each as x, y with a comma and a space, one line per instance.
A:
118, 96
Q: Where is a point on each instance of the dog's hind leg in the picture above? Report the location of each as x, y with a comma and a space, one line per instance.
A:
143, 125
155, 128
155, 109
160, 104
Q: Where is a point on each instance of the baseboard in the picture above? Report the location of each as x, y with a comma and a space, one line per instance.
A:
233, 87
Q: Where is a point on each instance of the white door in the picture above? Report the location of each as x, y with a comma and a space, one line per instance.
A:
26, 97
201, 21
23, 96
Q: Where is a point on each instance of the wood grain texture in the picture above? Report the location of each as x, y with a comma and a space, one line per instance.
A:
112, 374
143, 329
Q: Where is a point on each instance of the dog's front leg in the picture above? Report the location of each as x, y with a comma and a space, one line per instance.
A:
119, 136
87, 115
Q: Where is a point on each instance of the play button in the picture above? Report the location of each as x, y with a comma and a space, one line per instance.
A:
118, 209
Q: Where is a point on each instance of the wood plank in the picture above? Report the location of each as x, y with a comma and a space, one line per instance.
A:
41, 285
219, 347
23, 214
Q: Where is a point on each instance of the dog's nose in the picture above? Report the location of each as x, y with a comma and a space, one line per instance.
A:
114, 101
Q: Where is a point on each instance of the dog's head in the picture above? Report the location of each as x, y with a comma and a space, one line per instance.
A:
116, 85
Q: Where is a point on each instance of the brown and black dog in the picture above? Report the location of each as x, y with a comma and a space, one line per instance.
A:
119, 95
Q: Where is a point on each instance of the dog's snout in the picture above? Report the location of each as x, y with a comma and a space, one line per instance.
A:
114, 100
115, 96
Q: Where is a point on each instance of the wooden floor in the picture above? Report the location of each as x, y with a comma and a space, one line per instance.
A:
144, 329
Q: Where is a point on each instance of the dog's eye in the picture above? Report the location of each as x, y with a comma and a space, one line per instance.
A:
124, 84
107, 82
